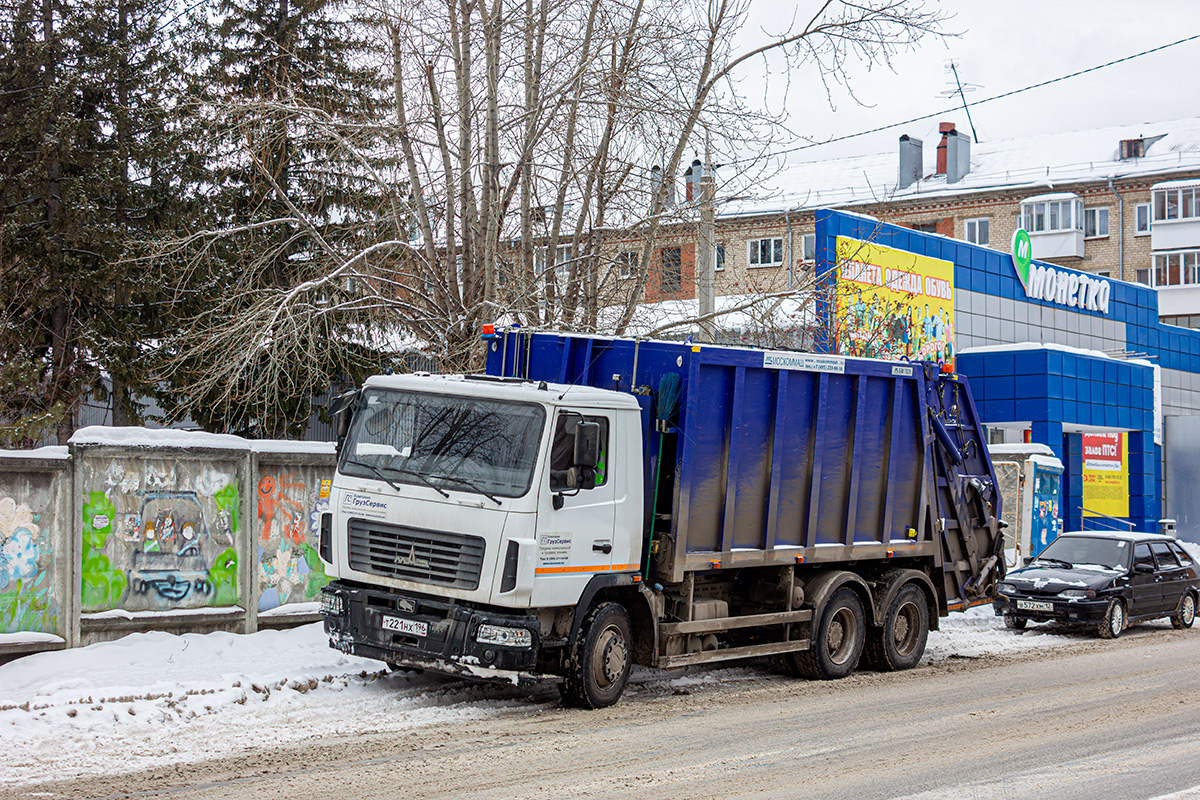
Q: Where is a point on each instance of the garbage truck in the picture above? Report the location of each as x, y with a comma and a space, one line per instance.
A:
590, 503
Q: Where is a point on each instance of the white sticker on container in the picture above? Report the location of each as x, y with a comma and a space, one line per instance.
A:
905, 372
804, 361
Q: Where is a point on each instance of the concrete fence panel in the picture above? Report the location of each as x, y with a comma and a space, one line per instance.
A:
35, 550
163, 531
292, 483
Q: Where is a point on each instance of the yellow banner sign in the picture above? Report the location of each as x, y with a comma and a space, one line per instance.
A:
1105, 475
892, 303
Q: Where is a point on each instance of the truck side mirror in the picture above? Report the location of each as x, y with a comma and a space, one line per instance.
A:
339, 408
587, 444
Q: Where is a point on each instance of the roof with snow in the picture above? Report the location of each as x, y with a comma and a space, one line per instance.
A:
1042, 162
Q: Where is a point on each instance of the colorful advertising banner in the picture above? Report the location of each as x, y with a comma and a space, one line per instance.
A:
892, 303
1105, 475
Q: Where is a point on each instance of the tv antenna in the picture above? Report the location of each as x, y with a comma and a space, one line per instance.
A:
961, 90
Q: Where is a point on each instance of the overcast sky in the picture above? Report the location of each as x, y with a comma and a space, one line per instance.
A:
1005, 45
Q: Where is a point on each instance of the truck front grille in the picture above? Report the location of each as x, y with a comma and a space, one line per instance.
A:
446, 559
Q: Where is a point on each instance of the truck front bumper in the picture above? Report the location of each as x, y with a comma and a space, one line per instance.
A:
422, 632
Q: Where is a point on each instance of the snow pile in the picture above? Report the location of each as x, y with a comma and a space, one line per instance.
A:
55, 452
978, 632
157, 437
151, 699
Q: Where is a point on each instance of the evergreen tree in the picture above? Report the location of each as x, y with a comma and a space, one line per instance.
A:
288, 104
81, 170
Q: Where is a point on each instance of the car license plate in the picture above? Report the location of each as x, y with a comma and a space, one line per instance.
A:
1034, 605
412, 627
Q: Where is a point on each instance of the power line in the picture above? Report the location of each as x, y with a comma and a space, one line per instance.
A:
981, 102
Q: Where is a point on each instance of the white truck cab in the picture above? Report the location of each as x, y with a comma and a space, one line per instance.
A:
458, 499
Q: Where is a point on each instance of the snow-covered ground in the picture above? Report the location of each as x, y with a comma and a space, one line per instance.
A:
152, 699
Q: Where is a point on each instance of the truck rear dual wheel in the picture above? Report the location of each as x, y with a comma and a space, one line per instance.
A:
900, 642
598, 669
838, 642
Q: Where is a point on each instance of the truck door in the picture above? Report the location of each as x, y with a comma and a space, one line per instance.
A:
575, 540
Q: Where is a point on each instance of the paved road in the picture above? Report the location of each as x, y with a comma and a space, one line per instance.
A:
1094, 720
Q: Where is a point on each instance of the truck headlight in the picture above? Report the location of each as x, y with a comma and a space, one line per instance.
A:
1077, 594
332, 605
505, 637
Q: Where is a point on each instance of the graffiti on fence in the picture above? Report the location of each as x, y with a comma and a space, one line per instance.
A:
155, 543
290, 505
27, 601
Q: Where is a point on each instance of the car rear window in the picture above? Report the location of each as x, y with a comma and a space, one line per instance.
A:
1166, 559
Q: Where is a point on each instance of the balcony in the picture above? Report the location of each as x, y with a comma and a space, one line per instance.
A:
1054, 223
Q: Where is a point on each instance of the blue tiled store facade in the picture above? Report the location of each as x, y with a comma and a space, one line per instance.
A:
1052, 389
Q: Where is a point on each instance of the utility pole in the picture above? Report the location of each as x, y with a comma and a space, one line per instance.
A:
706, 252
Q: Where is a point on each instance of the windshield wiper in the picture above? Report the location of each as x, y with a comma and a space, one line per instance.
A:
468, 483
404, 471
1066, 564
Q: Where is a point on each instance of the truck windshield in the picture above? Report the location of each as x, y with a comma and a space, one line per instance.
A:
464, 443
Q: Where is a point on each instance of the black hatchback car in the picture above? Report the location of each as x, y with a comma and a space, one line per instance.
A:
1104, 580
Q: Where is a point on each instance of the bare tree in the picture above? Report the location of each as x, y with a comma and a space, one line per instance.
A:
527, 134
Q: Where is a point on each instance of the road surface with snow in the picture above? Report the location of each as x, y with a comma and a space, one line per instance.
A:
278, 713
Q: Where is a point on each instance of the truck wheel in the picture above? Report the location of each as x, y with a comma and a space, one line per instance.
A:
838, 643
598, 668
1186, 615
1014, 623
1114, 620
900, 643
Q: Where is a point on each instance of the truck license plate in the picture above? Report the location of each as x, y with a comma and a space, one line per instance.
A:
412, 627
1034, 605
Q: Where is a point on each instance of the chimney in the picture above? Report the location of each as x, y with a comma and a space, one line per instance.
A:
910, 161
944, 128
958, 156
692, 178
656, 179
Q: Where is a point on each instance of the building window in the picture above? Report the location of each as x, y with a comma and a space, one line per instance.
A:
562, 263
765, 252
720, 265
1141, 216
1176, 203
1052, 216
1142, 276
1177, 269
672, 273
627, 264
1186, 321
925, 227
1095, 223
977, 231
808, 247
1103, 273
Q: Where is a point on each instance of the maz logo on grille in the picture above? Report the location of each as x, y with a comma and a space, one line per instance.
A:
411, 559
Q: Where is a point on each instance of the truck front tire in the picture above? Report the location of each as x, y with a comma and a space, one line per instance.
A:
598, 668
838, 639
900, 642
